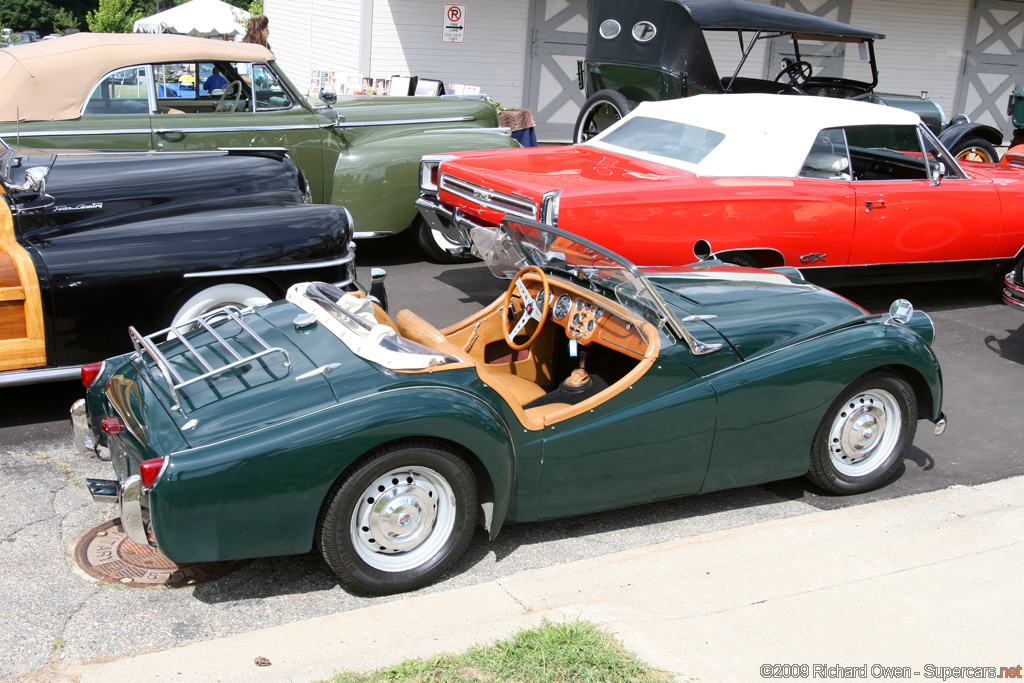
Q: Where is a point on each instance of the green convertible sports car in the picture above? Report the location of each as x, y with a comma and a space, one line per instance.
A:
319, 420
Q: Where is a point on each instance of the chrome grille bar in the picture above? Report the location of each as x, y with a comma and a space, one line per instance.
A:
491, 199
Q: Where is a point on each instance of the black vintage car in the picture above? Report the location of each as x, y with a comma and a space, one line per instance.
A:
658, 50
91, 243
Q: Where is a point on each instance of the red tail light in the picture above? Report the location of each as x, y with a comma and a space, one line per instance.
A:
113, 425
150, 470
90, 372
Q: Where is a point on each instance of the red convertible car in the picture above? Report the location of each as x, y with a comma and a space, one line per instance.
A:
847, 191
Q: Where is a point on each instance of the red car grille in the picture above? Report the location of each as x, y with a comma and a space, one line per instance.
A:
490, 199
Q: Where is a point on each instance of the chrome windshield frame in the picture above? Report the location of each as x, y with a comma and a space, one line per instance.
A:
667, 318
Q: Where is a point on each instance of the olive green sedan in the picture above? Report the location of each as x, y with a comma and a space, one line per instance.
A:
173, 93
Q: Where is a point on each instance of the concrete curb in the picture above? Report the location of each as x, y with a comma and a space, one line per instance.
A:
925, 580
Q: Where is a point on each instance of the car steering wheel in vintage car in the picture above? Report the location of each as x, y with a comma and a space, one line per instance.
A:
233, 88
534, 307
798, 73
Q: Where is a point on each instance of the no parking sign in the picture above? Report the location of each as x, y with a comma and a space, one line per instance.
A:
454, 24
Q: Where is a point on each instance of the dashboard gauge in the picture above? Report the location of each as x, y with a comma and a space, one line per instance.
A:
598, 313
576, 319
590, 326
579, 304
562, 307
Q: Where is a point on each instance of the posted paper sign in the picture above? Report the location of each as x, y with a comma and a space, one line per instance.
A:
454, 24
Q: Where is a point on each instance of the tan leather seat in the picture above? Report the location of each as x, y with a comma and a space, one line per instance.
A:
514, 389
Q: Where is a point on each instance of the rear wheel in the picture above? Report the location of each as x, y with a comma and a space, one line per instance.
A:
865, 435
401, 518
975, 149
215, 296
600, 111
435, 245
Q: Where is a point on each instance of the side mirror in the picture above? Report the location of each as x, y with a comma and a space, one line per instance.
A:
938, 173
900, 312
702, 250
328, 95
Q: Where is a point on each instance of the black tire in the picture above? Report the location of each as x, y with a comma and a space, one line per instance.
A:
847, 456
741, 258
414, 473
975, 149
434, 244
600, 111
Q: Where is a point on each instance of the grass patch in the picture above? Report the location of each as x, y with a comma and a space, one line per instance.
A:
576, 652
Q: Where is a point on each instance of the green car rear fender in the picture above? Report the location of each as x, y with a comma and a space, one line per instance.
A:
377, 176
770, 406
260, 494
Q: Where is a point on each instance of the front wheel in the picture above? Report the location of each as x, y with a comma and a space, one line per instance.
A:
599, 112
401, 518
865, 435
975, 149
435, 245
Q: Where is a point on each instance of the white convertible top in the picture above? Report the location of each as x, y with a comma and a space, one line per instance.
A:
765, 135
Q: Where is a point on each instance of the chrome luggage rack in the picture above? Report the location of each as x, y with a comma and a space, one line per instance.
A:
175, 382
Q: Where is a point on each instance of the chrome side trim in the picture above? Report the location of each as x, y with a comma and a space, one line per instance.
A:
105, 131
501, 130
405, 122
236, 129
348, 258
18, 378
370, 234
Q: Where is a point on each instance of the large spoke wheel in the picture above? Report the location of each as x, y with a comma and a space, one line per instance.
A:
399, 520
865, 435
599, 112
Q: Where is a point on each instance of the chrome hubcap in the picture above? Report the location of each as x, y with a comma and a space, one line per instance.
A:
403, 518
864, 432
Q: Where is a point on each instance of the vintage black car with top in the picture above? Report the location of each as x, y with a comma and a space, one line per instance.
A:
93, 242
648, 50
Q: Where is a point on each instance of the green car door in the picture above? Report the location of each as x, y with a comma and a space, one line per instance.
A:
652, 441
252, 109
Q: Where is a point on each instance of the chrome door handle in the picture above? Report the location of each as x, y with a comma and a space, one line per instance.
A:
877, 204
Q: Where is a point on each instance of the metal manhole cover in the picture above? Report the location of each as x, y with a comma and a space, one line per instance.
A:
106, 553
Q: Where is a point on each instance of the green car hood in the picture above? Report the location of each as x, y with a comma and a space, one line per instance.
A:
758, 311
265, 392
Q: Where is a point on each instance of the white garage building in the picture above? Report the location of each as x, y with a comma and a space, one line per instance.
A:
967, 54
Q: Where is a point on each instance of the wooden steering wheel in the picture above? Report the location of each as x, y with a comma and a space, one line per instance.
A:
233, 88
534, 307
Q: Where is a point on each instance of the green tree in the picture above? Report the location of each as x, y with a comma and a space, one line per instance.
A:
63, 19
255, 7
113, 16
22, 15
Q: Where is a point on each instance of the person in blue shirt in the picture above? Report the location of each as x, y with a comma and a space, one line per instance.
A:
215, 81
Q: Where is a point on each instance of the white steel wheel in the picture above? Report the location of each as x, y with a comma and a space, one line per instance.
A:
228, 294
403, 518
399, 519
865, 435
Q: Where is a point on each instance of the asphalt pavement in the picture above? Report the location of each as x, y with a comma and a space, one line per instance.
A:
53, 614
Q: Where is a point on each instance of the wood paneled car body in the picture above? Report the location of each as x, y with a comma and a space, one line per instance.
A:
173, 93
587, 386
849, 192
93, 242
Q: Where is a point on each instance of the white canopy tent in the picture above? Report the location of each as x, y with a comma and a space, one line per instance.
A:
198, 18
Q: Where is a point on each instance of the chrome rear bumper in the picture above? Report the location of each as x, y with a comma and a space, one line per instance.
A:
86, 440
128, 496
1013, 293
